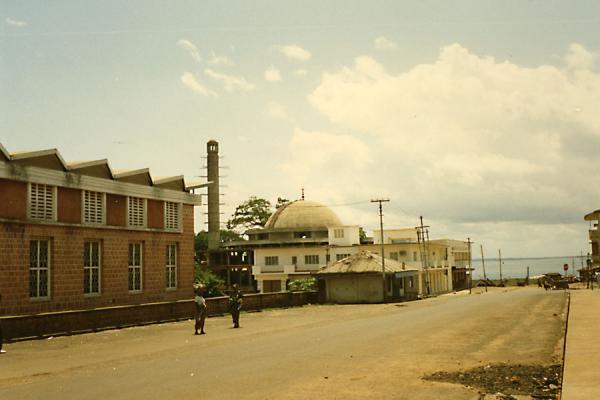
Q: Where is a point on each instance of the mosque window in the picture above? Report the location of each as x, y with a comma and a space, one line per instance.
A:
311, 259
271, 260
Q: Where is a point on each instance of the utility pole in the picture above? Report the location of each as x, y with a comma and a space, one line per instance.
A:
423, 240
470, 266
382, 244
500, 263
483, 264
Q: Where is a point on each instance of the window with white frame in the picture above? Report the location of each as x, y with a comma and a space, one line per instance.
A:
136, 211
42, 201
339, 257
93, 207
172, 215
271, 260
338, 233
91, 267
311, 259
171, 266
39, 269
135, 267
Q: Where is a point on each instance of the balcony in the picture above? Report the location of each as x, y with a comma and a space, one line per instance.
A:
286, 269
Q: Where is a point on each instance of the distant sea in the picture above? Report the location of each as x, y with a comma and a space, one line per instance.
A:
517, 267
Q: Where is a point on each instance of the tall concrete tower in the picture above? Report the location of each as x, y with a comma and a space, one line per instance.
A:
214, 223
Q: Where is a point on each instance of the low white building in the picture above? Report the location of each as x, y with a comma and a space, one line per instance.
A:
303, 236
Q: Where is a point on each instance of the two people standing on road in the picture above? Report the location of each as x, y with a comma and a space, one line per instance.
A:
235, 305
200, 309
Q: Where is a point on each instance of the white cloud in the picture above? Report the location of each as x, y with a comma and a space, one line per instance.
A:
220, 60
300, 72
231, 83
272, 74
277, 110
383, 43
15, 23
294, 52
313, 152
578, 57
468, 138
190, 48
190, 81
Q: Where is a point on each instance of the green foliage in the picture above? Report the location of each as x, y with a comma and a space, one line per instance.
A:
362, 234
252, 213
208, 279
230, 236
201, 242
302, 284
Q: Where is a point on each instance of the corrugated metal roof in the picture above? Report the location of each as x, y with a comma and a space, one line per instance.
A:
51, 158
364, 262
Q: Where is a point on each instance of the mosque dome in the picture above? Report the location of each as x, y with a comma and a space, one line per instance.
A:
303, 214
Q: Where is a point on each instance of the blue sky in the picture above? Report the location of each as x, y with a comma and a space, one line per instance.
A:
477, 115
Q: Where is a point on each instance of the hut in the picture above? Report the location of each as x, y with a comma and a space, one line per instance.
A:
358, 279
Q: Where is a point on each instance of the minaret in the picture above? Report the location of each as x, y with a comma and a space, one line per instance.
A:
214, 224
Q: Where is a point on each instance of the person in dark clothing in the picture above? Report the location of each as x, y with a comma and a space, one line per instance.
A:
235, 305
199, 310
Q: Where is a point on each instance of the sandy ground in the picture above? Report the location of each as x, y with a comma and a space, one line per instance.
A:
327, 352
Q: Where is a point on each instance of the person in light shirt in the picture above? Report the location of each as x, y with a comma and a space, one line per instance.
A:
199, 309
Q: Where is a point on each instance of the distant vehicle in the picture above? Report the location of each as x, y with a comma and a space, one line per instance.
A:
554, 280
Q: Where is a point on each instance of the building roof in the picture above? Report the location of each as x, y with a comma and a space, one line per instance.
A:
593, 216
52, 159
303, 214
364, 262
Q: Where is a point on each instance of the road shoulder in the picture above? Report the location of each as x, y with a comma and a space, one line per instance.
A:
582, 352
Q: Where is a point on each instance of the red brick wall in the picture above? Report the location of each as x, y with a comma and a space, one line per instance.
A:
13, 199
156, 214
66, 280
116, 210
69, 205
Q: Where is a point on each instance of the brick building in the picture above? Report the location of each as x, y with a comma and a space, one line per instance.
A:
79, 236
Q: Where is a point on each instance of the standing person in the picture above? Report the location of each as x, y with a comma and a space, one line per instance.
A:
199, 310
235, 305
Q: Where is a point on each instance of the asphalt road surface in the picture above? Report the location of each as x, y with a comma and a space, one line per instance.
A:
326, 352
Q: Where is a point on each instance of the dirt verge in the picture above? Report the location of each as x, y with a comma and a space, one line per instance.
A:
537, 381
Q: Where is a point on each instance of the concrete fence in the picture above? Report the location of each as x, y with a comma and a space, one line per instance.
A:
96, 319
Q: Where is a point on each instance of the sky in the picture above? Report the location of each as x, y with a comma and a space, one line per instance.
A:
480, 116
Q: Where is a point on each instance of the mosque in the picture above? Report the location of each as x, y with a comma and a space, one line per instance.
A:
304, 236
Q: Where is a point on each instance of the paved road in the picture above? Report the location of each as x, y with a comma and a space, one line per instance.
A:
326, 352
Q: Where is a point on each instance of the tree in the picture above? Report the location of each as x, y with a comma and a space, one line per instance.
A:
201, 242
252, 213
362, 234
281, 202
211, 281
